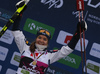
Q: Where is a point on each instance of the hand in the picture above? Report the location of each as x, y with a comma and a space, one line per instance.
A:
83, 25
76, 36
21, 3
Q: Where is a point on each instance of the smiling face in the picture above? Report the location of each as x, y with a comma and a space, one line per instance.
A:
42, 40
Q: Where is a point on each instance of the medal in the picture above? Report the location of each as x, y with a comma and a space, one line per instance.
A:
34, 62
35, 58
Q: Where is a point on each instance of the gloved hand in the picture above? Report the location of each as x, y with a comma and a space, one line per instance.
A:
76, 36
83, 25
16, 24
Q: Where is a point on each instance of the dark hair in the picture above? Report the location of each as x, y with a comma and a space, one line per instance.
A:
32, 47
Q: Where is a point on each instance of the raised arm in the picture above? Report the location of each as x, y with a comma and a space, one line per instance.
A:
18, 35
66, 50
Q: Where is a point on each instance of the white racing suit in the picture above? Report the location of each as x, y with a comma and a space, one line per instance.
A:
26, 66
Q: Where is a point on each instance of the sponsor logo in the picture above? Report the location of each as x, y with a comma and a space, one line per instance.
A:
71, 60
50, 70
7, 37
89, 3
53, 3
95, 50
93, 19
92, 67
10, 71
5, 15
0, 67
65, 37
33, 26
77, 13
55, 70
29, 69
15, 59
3, 53
25, 71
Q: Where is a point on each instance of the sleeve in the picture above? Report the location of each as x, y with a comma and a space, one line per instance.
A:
63, 52
20, 40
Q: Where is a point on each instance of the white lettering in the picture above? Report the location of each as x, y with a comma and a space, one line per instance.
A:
30, 69
91, 5
77, 13
80, 5
69, 59
31, 26
53, 3
51, 71
93, 19
37, 28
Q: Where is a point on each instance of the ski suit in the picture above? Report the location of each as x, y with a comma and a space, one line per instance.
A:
26, 66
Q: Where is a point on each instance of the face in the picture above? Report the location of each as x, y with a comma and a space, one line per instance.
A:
42, 40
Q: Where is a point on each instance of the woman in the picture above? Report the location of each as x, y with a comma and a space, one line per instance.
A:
35, 58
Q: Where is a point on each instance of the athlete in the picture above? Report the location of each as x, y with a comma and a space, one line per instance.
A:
35, 58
